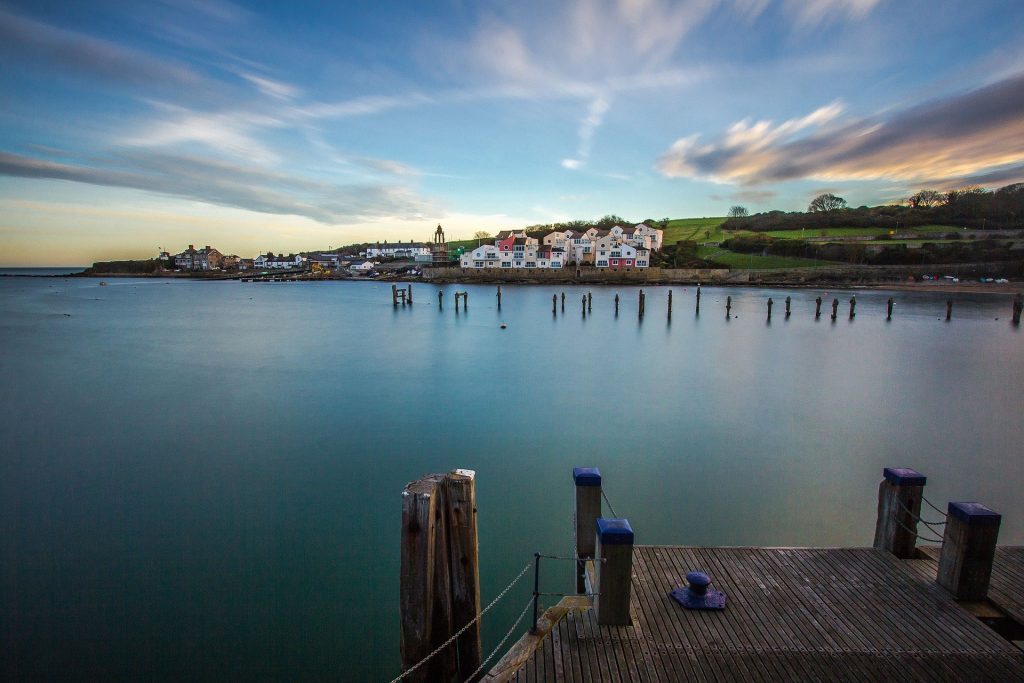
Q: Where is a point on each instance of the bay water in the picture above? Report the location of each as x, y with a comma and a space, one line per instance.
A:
201, 480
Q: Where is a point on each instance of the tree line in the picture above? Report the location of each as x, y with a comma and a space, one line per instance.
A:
977, 208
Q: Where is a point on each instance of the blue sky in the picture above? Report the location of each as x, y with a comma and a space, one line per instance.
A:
126, 126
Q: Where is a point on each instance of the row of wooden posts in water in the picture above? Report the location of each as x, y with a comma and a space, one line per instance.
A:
404, 296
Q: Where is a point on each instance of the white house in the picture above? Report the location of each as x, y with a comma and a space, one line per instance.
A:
269, 260
361, 267
622, 256
398, 250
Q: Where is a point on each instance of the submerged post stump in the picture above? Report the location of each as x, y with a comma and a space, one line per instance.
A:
835, 308
728, 306
968, 549
899, 508
394, 295
584, 302
563, 302
853, 307
817, 308
1018, 307
554, 304
440, 299
641, 304
588, 510
499, 296
410, 293
949, 309
888, 309
789, 301
616, 304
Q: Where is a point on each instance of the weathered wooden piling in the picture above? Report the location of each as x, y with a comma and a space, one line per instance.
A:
640, 308
394, 295
616, 304
1018, 307
613, 569
817, 308
968, 549
440, 299
770, 302
899, 508
465, 300
563, 302
728, 306
949, 309
835, 308
588, 510
499, 296
554, 304
670, 304
590, 302
464, 558
698, 300
789, 301
888, 309
409, 296
584, 302
853, 307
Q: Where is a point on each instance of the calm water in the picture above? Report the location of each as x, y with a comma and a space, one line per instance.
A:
200, 481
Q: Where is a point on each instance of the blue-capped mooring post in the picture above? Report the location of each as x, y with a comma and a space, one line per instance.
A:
968, 550
614, 569
899, 508
588, 510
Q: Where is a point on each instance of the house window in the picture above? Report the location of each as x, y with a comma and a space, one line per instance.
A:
506, 264
531, 264
602, 264
478, 264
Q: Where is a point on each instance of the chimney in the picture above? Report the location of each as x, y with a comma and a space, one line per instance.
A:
191, 246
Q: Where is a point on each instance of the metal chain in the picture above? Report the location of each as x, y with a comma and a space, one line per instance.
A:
468, 624
574, 559
529, 603
605, 496
933, 506
918, 517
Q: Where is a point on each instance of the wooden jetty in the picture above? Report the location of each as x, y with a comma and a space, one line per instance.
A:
792, 614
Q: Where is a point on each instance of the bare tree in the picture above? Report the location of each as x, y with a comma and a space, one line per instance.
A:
826, 202
926, 199
738, 211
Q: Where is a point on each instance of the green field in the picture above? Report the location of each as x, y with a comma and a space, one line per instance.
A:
696, 229
853, 232
756, 261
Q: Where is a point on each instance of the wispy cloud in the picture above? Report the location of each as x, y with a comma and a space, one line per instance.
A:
809, 13
268, 86
959, 136
26, 41
230, 185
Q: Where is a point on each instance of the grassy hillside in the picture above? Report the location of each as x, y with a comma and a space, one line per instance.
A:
696, 229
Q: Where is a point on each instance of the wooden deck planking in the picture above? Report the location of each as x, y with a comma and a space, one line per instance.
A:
1007, 586
793, 614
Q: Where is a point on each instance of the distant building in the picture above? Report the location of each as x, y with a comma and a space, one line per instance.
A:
269, 261
206, 258
397, 250
230, 261
330, 260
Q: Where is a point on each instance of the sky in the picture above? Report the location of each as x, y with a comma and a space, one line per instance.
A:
128, 126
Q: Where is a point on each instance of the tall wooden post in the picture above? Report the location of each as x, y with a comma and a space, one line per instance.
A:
670, 304
835, 308
698, 299
394, 295
817, 308
789, 301
1018, 306
563, 302
439, 576
410, 293
465, 301
584, 302
616, 304
590, 302
853, 306
440, 299
425, 600
728, 306
949, 309
614, 571
554, 304
899, 507
499, 297
968, 549
770, 302
464, 558
588, 510
888, 309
